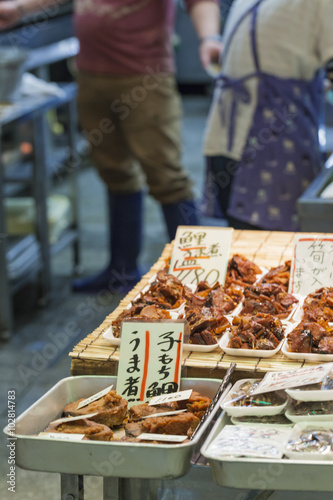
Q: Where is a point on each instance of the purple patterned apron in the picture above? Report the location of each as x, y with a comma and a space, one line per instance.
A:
281, 156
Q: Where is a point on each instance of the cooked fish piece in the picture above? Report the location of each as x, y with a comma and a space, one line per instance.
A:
92, 430
111, 409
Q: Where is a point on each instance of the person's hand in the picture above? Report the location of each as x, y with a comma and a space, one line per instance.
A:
10, 14
210, 52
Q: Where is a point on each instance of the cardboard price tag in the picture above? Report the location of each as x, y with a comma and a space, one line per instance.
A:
169, 398
312, 264
276, 381
61, 435
94, 397
67, 420
201, 254
164, 414
149, 359
168, 438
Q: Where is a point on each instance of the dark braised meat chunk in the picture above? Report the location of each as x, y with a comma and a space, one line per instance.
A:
319, 305
182, 424
269, 299
325, 345
206, 324
166, 291
256, 332
137, 412
111, 409
214, 296
278, 275
140, 312
310, 337
91, 430
241, 271
196, 404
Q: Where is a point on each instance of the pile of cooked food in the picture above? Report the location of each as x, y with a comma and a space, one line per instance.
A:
267, 298
261, 331
113, 421
314, 333
205, 308
279, 275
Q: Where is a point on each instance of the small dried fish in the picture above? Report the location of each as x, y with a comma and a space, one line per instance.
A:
313, 441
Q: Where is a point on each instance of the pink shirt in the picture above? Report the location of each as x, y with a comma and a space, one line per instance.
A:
125, 37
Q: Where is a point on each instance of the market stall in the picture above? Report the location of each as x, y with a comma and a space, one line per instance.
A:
95, 355
135, 467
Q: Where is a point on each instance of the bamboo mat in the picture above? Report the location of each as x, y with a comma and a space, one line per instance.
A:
94, 356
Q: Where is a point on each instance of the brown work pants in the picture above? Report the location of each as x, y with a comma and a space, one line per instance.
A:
133, 127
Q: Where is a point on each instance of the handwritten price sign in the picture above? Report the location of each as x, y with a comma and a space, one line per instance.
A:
201, 254
150, 359
312, 264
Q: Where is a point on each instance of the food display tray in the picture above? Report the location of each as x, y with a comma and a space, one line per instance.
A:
250, 411
246, 353
113, 459
269, 474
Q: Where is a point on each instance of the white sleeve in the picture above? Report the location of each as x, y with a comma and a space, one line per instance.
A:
325, 32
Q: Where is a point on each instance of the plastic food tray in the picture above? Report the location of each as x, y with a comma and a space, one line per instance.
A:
247, 353
298, 428
305, 395
308, 418
254, 411
113, 459
306, 356
269, 474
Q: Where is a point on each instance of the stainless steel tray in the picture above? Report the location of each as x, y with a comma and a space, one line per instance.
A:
113, 459
264, 474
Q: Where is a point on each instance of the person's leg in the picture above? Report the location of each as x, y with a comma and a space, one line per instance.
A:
124, 181
222, 171
153, 131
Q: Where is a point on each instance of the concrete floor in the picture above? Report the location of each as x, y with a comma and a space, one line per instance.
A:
32, 361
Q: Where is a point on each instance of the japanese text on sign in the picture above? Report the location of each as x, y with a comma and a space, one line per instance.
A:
312, 264
201, 254
150, 359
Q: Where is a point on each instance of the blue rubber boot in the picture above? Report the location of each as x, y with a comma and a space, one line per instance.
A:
122, 273
183, 213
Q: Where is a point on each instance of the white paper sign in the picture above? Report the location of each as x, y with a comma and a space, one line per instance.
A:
149, 359
169, 398
249, 441
312, 264
276, 381
168, 438
67, 420
61, 435
94, 397
201, 254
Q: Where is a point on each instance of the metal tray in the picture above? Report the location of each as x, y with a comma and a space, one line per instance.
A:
112, 459
261, 474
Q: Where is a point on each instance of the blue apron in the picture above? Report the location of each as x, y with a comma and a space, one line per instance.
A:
282, 155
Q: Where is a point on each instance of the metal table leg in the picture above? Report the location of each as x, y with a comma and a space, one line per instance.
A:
195, 485
111, 487
71, 487
5, 300
73, 167
40, 179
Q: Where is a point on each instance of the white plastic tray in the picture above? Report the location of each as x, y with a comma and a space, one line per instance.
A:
307, 395
266, 474
243, 411
237, 421
108, 335
113, 459
309, 418
307, 356
298, 428
248, 353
